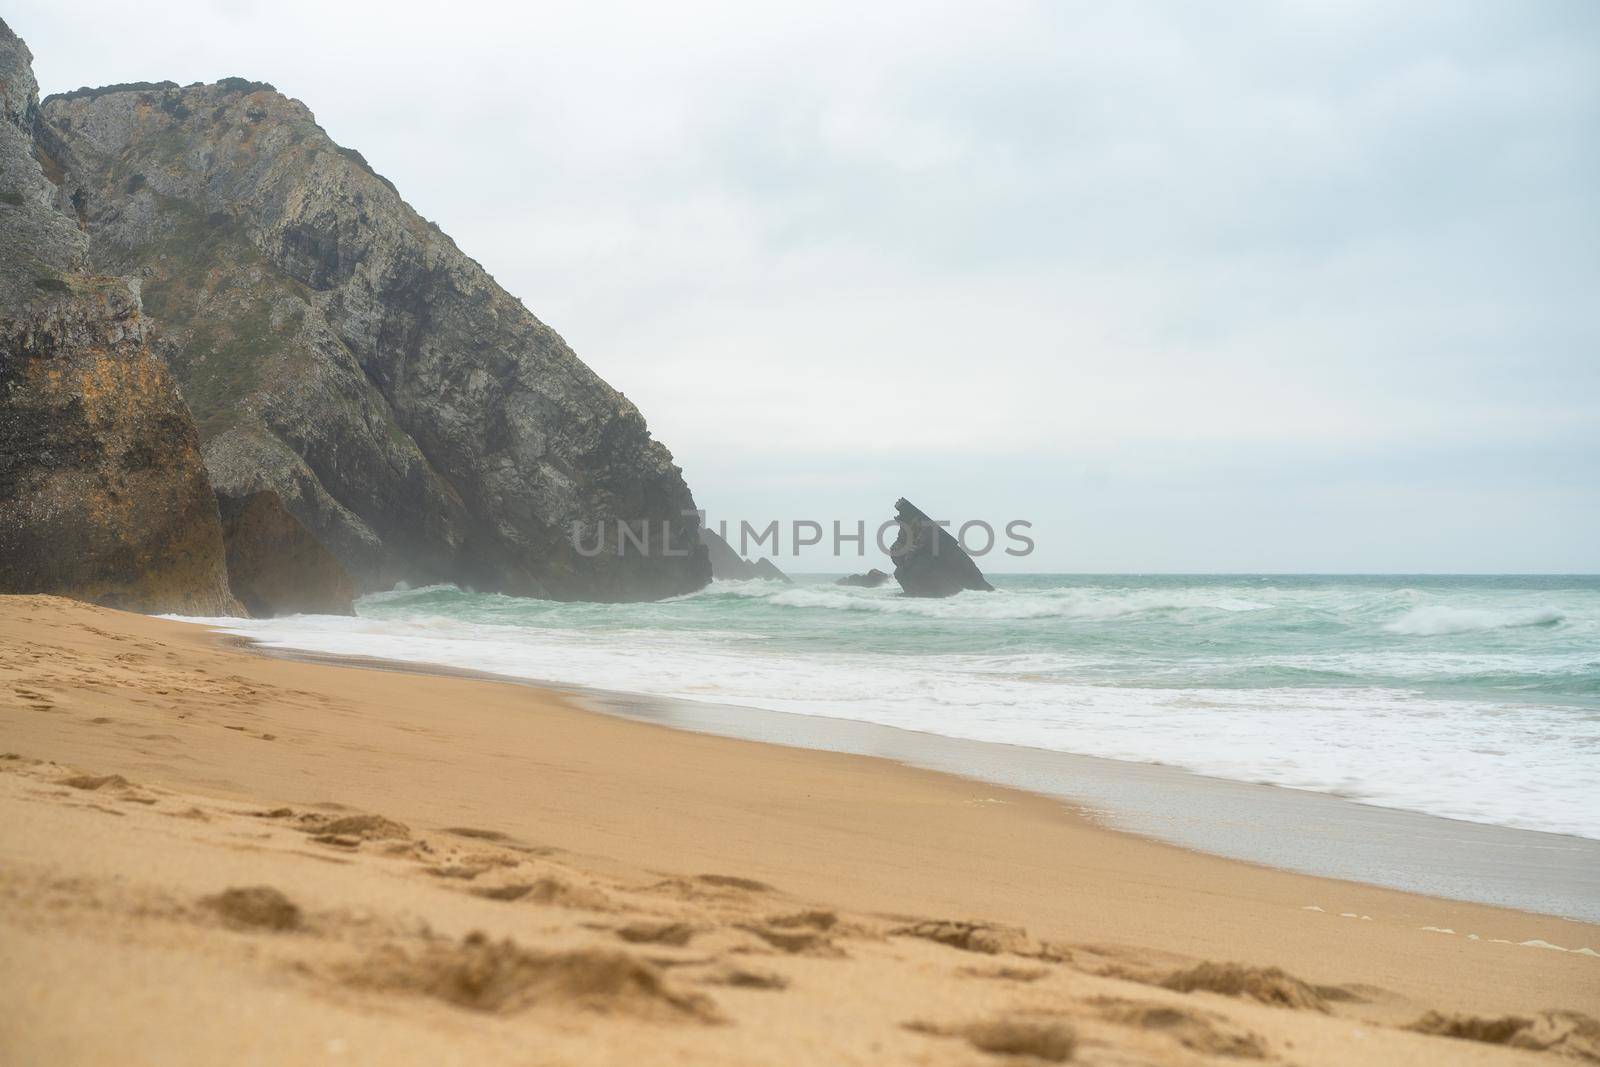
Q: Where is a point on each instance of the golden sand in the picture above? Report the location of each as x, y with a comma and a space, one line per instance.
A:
209, 856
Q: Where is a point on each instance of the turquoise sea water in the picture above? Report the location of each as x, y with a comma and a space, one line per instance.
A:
1469, 697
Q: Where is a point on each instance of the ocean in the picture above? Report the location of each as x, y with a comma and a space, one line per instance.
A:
1471, 697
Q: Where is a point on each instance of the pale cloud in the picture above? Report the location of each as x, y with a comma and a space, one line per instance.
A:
1333, 262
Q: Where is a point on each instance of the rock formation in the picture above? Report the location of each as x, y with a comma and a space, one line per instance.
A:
728, 565
338, 349
103, 492
767, 569
870, 580
275, 566
928, 561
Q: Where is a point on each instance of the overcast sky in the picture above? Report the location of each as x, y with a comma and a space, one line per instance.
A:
1301, 286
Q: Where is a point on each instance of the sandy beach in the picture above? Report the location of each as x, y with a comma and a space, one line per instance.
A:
208, 855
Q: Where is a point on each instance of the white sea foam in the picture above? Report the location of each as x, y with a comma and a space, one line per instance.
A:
1438, 620
1000, 605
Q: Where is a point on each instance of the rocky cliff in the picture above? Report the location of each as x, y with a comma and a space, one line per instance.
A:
339, 350
275, 566
103, 493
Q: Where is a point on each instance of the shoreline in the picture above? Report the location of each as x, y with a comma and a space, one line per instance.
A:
651, 894
1301, 831
1437, 699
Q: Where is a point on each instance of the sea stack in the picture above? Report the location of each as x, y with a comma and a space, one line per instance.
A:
928, 561
728, 565
768, 570
870, 580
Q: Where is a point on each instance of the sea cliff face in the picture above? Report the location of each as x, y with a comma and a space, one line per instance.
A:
103, 492
275, 566
338, 349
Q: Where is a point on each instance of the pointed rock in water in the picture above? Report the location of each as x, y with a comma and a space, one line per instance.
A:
275, 566
340, 350
726, 564
103, 493
928, 560
870, 580
765, 568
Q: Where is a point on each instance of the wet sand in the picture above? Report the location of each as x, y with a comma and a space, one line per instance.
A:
1297, 830
210, 855
1292, 829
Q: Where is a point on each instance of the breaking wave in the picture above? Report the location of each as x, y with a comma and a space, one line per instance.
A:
1000, 605
1437, 620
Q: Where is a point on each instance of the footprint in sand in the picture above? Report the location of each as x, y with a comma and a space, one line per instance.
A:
1566, 1033
729, 881
365, 827
337, 841
723, 888
552, 891
1204, 1032
814, 918
36, 700
111, 784
1051, 1041
501, 839
189, 813
1006, 974
346, 832
469, 866
737, 977
258, 907
991, 939
795, 942
647, 932
1265, 985
502, 977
